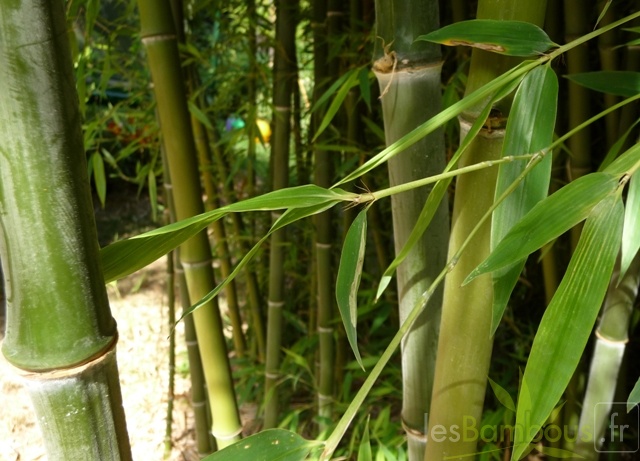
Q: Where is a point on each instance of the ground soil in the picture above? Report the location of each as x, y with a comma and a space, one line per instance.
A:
139, 305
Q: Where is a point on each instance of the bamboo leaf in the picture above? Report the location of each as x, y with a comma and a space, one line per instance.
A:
482, 93
364, 449
631, 229
287, 218
348, 281
127, 256
626, 162
365, 86
529, 130
337, 101
549, 219
153, 194
603, 12
559, 453
437, 193
567, 323
617, 82
502, 395
99, 177
634, 397
512, 38
431, 205
199, 115
269, 445
616, 147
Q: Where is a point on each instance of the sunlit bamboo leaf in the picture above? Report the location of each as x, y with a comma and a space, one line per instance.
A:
512, 38
617, 82
568, 321
348, 281
625, 162
631, 230
529, 130
272, 444
437, 193
364, 449
549, 219
502, 395
288, 217
634, 397
337, 102
99, 177
479, 95
127, 256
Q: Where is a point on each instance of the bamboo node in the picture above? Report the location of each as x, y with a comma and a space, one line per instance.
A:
412, 433
206, 262
619, 343
275, 303
91, 363
229, 436
158, 38
324, 246
282, 108
325, 330
271, 375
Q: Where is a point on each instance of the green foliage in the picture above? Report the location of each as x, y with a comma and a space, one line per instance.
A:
512, 38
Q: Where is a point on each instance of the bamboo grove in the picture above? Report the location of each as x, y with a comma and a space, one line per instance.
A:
420, 220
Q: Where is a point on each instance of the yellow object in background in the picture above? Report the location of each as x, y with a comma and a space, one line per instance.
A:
265, 130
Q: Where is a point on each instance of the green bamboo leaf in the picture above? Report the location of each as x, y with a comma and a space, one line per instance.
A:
617, 146
502, 395
99, 177
634, 397
478, 96
269, 445
287, 218
529, 130
602, 13
617, 82
437, 193
153, 194
549, 219
365, 86
364, 449
199, 115
626, 162
568, 321
512, 38
631, 230
127, 256
339, 98
348, 281
332, 89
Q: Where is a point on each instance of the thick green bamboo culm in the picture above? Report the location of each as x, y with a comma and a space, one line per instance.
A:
409, 77
60, 335
465, 330
158, 36
283, 83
